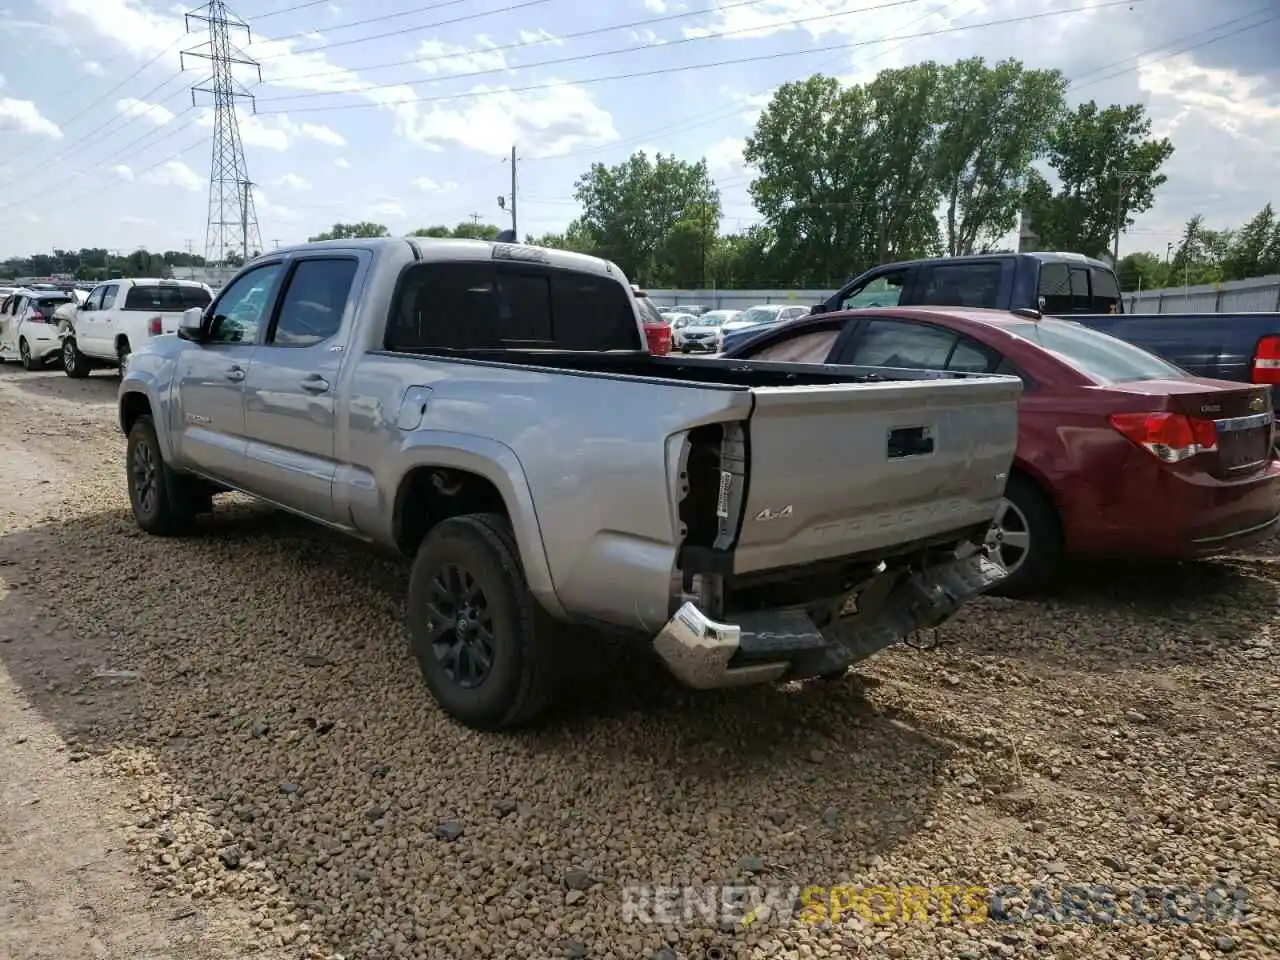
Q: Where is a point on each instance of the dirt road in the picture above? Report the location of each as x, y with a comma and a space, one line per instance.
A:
217, 746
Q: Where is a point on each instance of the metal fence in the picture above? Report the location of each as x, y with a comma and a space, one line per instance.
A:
735, 299
1260, 294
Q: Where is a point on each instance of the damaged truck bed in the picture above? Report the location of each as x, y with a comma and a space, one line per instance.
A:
491, 410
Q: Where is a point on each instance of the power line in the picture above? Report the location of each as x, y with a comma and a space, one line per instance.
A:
734, 61
699, 120
580, 57
85, 138
401, 32
549, 38
296, 6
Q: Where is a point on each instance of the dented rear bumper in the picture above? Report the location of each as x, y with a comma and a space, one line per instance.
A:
787, 644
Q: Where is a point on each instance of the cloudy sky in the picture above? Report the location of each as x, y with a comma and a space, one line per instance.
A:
404, 112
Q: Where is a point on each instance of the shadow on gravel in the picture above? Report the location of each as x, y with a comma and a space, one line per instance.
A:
263, 664
98, 388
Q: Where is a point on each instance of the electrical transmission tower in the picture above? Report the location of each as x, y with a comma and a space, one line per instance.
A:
233, 221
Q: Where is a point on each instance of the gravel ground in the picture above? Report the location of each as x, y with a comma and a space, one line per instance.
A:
248, 697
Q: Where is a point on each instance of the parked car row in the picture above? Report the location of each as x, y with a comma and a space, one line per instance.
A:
99, 328
523, 424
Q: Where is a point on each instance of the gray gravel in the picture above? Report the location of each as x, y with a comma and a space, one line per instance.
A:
281, 753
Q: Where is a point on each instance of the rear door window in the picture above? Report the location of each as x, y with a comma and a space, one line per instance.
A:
894, 343
962, 285
1081, 299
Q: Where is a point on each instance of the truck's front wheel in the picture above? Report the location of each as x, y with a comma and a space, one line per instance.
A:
164, 503
75, 363
479, 636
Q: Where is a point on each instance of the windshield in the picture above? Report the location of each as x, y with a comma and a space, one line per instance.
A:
681, 320
713, 319
1094, 353
760, 315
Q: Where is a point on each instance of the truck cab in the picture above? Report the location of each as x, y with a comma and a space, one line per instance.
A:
1055, 283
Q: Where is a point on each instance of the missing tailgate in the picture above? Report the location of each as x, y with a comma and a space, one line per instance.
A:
713, 490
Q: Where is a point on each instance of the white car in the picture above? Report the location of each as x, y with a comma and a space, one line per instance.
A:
119, 314
702, 333
28, 330
765, 313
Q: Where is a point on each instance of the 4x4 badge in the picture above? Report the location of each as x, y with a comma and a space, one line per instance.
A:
767, 514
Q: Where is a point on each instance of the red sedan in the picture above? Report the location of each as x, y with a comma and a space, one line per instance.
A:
1119, 453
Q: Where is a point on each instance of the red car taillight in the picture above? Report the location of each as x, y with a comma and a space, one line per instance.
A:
37, 316
1170, 437
1266, 361
154, 328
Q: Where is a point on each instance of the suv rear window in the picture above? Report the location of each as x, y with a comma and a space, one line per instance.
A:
1095, 354
50, 303
165, 299
487, 306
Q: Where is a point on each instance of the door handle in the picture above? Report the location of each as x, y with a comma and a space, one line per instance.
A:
235, 374
315, 384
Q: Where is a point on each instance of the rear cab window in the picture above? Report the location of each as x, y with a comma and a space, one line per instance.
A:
165, 298
1095, 354
1106, 291
481, 305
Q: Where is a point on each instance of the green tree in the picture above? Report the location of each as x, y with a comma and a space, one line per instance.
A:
846, 177
348, 231
1108, 170
994, 122
629, 210
467, 230
1254, 248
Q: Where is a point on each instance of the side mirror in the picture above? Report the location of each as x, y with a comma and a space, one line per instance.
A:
191, 326
86, 306
818, 308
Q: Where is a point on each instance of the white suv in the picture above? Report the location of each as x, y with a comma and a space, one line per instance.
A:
119, 314
28, 330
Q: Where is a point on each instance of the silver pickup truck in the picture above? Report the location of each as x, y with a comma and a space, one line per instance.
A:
491, 410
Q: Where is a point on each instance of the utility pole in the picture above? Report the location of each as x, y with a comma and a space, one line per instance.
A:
515, 228
475, 218
277, 243
230, 190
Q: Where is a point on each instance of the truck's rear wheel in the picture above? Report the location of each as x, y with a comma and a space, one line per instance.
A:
479, 636
165, 503
24, 354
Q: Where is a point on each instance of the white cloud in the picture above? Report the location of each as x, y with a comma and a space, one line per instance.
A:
25, 117
540, 36
151, 112
544, 122
93, 68
294, 182
427, 185
311, 131
123, 172
647, 37
254, 131
436, 56
137, 221
389, 209
724, 158
174, 173
657, 6
342, 163
274, 211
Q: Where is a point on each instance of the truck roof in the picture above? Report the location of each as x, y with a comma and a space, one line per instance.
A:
1044, 256
450, 248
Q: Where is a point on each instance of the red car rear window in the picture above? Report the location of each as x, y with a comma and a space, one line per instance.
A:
1094, 353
